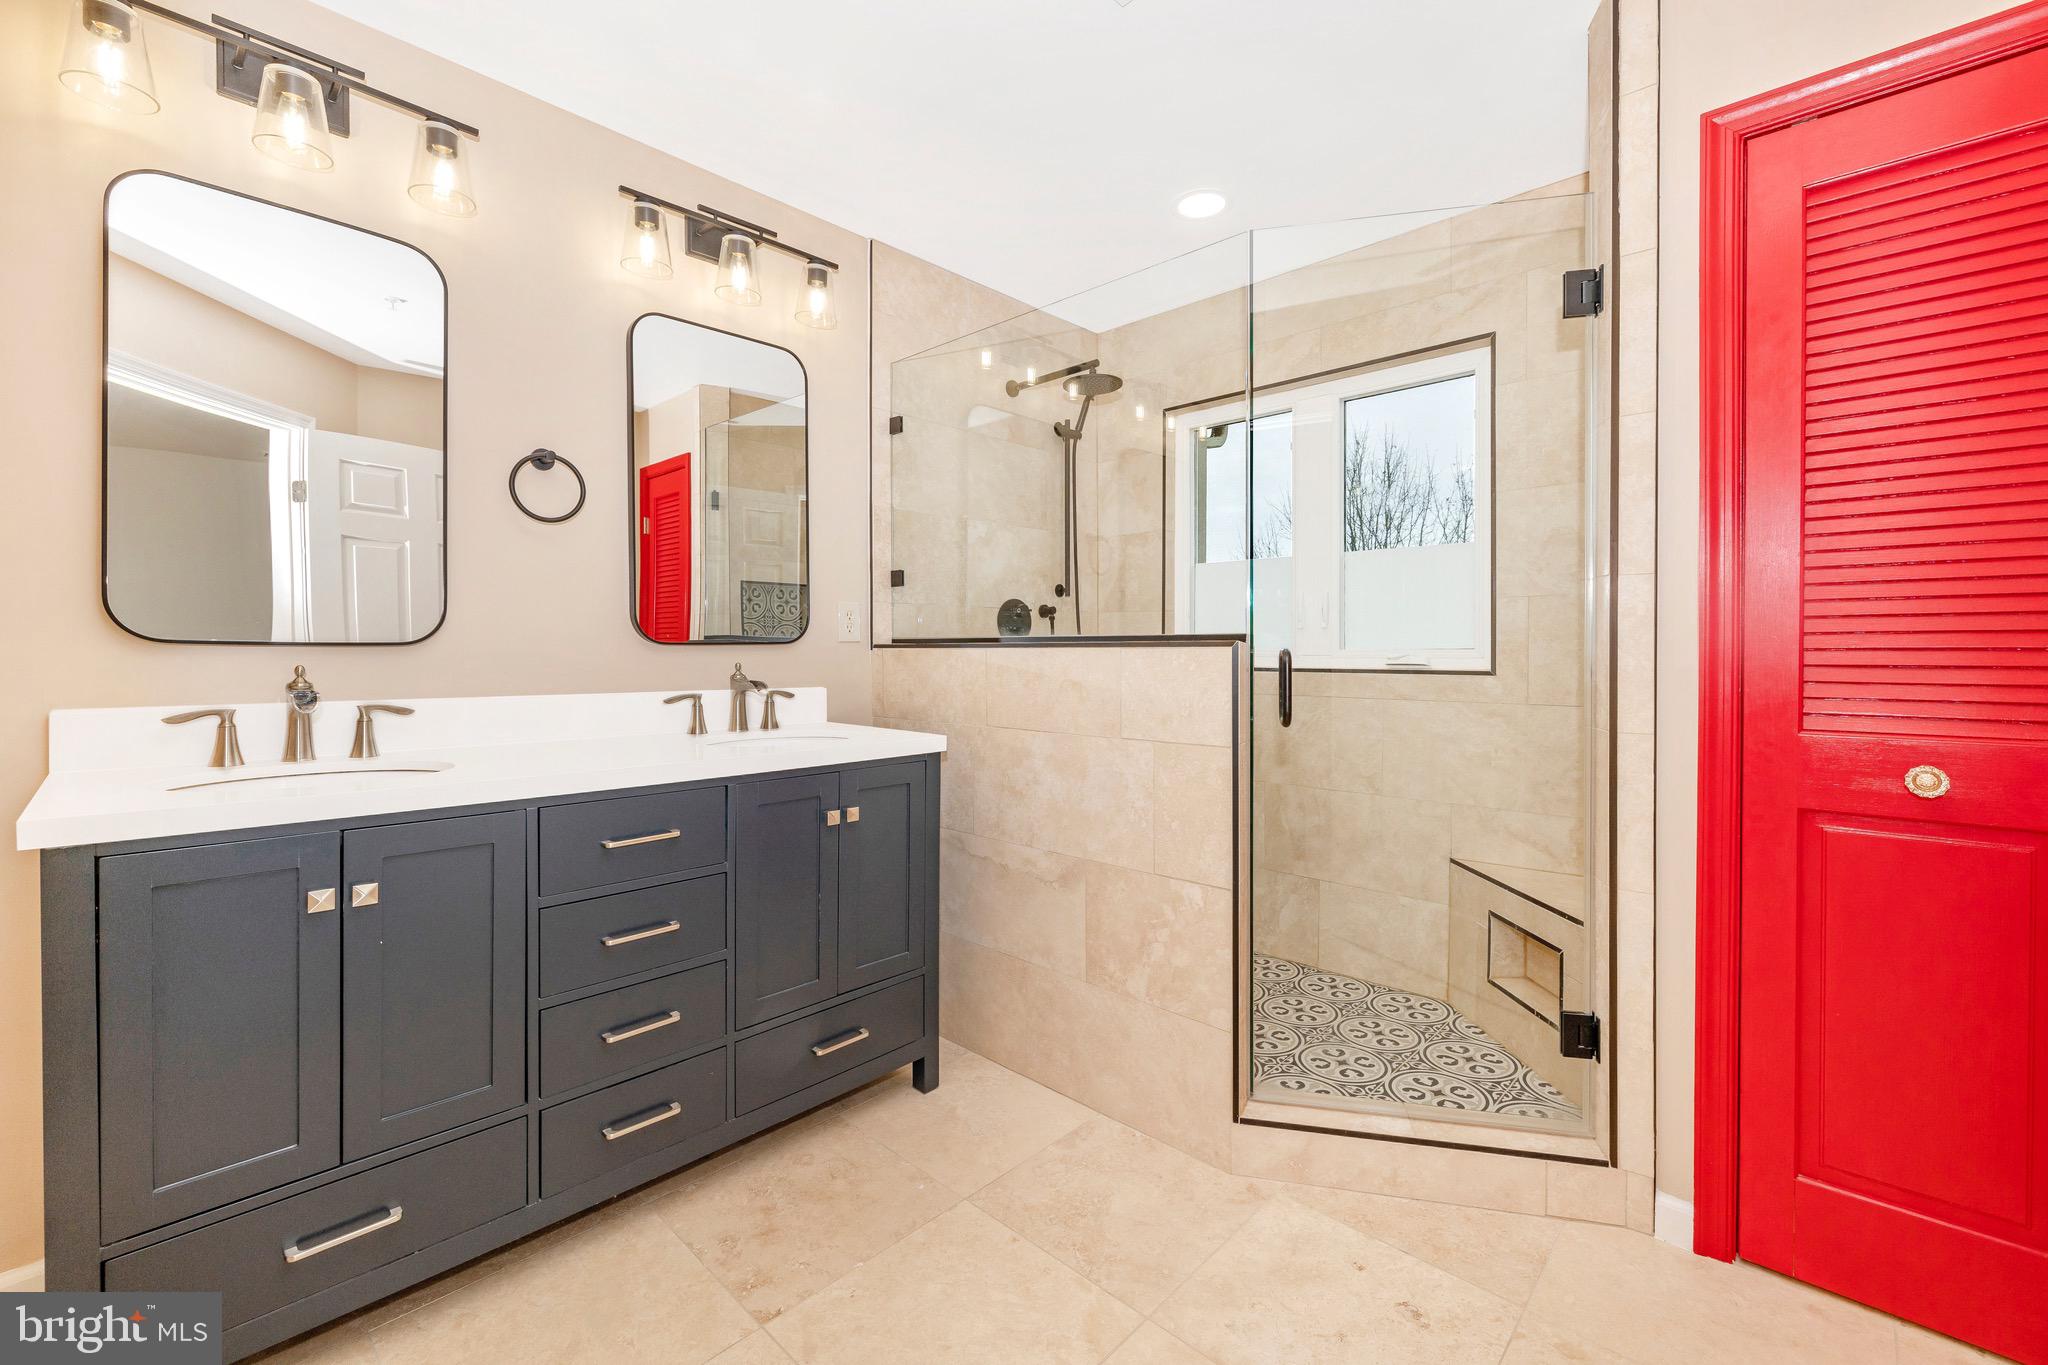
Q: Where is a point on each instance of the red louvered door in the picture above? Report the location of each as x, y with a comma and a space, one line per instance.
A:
665, 544
1893, 1082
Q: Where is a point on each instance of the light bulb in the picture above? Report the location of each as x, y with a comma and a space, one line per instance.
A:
106, 59
1031, 374
291, 119
817, 310
988, 358
736, 270
645, 249
1139, 409
440, 171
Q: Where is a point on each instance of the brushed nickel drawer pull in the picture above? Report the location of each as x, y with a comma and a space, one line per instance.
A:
362, 894
832, 817
320, 900
639, 839
673, 1108
853, 815
620, 1035
634, 936
295, 1253
859, 1035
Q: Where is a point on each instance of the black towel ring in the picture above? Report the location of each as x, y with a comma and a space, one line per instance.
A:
545, 460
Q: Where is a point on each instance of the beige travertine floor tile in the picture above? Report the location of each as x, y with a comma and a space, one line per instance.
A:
345, 1343
962, 1288
1131, 1213
1293, 1287
758, 1349
980, 1122
621, 1288
781, 1217
1536, 1344
1639, 1298
1501, 1253
1918, 1346
1152, 1344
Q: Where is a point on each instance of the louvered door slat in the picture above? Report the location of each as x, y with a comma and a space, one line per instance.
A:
1924, 555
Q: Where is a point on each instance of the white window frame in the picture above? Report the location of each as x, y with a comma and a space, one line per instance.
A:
1313, 581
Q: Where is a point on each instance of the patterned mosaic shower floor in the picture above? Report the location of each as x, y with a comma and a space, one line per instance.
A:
1321, 1033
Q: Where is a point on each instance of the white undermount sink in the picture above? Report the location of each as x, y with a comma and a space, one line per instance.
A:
323, 774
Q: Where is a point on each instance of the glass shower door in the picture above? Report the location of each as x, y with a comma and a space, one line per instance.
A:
1429, 926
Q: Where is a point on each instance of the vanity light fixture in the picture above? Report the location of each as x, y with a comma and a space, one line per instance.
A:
291, 119
440, 172
736, 270
732, 244
106, 57
301, 97
818, 311
645, 250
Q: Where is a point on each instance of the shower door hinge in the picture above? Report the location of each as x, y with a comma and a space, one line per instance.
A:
895, 578
1585, 292
1578, 1035
895, 426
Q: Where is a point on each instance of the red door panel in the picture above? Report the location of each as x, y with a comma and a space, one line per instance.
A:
666, 531
1893, 1082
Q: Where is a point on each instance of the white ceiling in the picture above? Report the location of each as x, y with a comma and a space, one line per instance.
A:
365, 298
1039, 146
671, 357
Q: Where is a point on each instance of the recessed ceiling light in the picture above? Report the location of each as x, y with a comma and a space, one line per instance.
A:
1201, 204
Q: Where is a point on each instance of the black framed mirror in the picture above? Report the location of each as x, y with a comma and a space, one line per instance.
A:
274, 421
719, 489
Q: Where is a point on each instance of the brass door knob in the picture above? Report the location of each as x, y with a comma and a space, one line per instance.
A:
1927, 781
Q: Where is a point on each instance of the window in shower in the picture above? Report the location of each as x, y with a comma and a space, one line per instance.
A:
1366, 500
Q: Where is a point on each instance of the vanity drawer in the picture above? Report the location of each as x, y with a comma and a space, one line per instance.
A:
818, 1047
586, 942
338, 1231
584, 1138
634, 1026
599, 843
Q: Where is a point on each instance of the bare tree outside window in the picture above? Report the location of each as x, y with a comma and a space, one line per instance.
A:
1397, 496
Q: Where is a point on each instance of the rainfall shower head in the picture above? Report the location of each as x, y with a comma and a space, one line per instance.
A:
1093, 385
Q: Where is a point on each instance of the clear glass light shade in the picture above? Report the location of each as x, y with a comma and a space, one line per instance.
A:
291, 119
818, 311
736, 280
440, 172
106, 58
645, 248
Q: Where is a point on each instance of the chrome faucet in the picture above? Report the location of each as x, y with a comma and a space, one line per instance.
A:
741, 686
302, 700
696, 700
366, 727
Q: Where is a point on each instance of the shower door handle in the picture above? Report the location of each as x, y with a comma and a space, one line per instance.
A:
1286, 688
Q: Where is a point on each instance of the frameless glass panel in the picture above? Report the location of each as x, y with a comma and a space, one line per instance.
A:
1427, 908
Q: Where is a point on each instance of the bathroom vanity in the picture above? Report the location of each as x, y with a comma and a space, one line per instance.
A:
314, 1033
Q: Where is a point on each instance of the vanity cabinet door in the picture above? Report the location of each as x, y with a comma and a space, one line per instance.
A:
884, 873
785, 896
433, 984
219, 978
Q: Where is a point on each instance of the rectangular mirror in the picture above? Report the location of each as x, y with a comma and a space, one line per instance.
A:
274, 423
720, 487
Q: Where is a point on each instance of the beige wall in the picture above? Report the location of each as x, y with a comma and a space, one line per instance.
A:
1711, 57
539, 312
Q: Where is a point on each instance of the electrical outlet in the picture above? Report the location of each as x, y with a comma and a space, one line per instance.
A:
849, 623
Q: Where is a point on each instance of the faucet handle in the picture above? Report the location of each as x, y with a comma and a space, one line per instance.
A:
366, 726
300, 691
696, 700
227, 745
768, 720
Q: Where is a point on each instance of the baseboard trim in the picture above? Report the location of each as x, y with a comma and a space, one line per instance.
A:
23, 1279
1674, 1220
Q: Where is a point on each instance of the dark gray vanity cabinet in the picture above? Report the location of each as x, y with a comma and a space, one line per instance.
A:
312, 1067
219, 1025
433, 977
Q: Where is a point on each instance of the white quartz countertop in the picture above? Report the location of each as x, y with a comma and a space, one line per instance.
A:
485, 751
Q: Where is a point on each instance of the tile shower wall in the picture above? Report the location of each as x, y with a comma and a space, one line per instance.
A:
1086, 869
